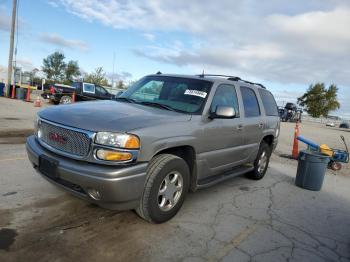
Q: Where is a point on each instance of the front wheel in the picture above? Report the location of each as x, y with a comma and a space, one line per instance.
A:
66, 100
167, 184
261, 162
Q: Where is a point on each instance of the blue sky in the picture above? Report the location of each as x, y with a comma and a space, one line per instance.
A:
286, 45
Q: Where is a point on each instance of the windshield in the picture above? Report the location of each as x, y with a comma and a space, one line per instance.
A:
179, 94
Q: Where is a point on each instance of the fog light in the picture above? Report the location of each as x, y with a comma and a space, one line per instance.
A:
94, 193
110, 155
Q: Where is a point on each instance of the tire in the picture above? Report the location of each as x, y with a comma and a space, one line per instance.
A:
54, 102
260, 171
154, 207
66, 100
335, 166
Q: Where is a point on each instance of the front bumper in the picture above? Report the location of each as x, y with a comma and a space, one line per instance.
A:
120, 188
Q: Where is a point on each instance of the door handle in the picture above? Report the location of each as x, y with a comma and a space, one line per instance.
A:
239, 127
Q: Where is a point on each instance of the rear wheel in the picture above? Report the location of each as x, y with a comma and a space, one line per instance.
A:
167, 184
65, 100
261, 162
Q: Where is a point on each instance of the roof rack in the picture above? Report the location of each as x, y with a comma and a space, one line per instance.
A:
234, 78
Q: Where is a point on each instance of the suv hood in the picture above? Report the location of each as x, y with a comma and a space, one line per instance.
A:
110, 116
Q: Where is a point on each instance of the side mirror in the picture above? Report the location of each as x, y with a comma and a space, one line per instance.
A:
225, 112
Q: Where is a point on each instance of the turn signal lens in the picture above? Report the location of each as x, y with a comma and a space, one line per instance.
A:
132, 142
109, 155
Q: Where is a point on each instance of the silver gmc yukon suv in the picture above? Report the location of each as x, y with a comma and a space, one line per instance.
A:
164, 136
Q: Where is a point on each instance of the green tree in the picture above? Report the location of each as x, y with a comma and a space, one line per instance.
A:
121, 84
54, 67
97, 77
72, 71
319, 101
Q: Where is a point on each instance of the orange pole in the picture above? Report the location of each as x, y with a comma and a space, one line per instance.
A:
73, 97
13, 91
295, 150
28, 94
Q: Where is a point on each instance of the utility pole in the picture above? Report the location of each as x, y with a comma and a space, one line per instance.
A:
12, 38
113, 70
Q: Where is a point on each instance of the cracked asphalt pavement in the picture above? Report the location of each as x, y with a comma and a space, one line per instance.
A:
238, 220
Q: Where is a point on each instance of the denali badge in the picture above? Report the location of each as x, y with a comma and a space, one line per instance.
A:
57, 138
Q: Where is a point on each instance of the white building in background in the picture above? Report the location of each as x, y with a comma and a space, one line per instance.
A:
3, 74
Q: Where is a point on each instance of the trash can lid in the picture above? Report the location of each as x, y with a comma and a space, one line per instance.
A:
313, 156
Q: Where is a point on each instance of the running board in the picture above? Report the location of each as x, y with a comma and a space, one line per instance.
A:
212, 180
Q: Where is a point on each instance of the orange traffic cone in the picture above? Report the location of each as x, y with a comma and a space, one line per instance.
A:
295, 150
37, 102
28, 94
13, 93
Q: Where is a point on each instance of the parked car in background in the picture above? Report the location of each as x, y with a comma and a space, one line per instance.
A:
164, 136
63, 94
344, 125
330, 124
290, 113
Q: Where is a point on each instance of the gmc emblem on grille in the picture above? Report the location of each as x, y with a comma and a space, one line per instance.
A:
57, 138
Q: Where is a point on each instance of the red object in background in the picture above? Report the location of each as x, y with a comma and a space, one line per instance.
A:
73, 97
28, 94
295, 150
13, 91
37, 102
52, 90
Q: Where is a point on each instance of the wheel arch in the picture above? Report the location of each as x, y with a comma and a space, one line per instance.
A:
187, 153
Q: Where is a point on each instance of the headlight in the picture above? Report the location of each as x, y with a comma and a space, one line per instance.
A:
117, 140
37, 130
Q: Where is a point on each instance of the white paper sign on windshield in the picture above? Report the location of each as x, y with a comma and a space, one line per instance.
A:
195, 93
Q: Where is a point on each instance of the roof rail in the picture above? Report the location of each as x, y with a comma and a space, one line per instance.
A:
234, 78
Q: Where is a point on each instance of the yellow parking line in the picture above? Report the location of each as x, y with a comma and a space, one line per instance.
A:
12, 159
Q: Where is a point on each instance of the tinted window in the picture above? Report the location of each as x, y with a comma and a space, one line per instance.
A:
268, 102
100, 90
225, 95
250, 102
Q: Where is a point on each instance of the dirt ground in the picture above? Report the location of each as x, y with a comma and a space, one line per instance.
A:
238, 220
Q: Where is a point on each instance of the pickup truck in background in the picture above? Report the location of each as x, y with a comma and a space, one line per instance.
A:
63, 94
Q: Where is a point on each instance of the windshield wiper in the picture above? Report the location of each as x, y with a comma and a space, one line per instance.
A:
148, 103
129, 100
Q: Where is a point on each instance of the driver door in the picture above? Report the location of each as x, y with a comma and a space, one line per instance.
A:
224, 137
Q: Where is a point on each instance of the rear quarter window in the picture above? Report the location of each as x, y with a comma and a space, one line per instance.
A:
268, 102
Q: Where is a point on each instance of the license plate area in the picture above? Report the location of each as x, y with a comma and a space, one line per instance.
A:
48, 166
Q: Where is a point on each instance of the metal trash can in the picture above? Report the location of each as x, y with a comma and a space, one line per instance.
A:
311, 170
2, 87
20, 93
25, 90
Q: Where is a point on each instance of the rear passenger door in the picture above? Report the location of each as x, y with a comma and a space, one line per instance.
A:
253, 121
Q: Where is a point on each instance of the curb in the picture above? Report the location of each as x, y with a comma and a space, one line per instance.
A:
16, 133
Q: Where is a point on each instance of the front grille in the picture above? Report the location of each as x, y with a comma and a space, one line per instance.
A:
64, 139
